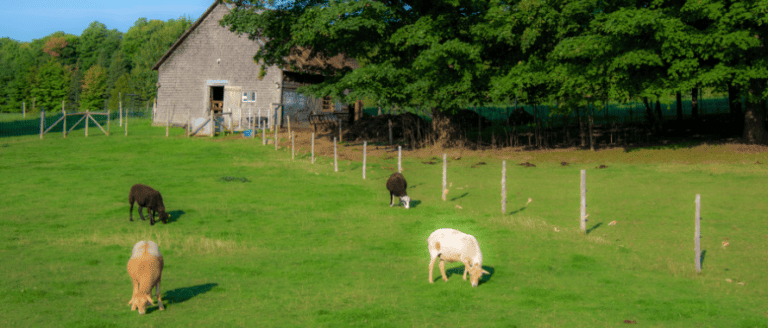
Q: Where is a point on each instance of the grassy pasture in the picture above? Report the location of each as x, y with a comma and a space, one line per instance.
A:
302, 246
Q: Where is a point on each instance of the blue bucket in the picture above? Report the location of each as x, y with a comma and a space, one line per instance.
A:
247, 133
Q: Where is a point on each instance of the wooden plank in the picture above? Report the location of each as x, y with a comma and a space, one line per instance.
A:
54, 124
194, 131
74, 125
97, 124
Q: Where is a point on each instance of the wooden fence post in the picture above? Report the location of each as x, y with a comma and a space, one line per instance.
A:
264, 137
583, 219
86, 122
697, 236
504, 187
120, 106
445, 176
168, 120
365, 146
313, 148
109, 111
42, 120
126, 126
399, 159
335, 165
64, 112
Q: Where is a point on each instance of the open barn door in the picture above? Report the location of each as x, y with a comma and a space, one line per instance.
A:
232, 102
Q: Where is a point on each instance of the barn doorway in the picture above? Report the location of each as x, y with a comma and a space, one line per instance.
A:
217, 99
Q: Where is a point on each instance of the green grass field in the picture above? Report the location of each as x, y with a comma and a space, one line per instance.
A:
302, 246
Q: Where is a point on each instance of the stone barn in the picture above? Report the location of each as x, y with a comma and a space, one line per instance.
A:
210, 70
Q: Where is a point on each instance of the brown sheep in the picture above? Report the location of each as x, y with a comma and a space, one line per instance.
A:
145, 268
150, 198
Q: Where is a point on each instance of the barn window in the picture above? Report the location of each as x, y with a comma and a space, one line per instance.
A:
249, 96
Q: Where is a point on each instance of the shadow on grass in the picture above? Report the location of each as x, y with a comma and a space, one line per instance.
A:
594, 227
462, 196
173, 216
459, 272
518, 211
415, 203
703, 255
181, 295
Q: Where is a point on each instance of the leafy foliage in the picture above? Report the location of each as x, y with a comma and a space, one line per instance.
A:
94, 87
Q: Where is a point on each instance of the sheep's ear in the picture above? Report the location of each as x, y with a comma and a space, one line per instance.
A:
486, 272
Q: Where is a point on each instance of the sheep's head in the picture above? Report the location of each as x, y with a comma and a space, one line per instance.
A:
163, 216
475, 272
407, 200
140, 302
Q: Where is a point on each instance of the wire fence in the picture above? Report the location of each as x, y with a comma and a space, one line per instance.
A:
18, 124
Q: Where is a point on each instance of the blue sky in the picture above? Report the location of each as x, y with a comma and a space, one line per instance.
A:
34, 19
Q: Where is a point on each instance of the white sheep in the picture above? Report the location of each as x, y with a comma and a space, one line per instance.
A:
452, 245
145, 268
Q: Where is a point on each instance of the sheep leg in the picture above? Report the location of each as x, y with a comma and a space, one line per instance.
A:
431, 266
151, 214
442, 270
159, 298
134, 302
130, 214
466, 269
141, 208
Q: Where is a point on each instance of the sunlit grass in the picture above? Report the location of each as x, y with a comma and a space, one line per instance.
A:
301, 245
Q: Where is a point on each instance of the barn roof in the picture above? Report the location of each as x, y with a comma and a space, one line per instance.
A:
300, 55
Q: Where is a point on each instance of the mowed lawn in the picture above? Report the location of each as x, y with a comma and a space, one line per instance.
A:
302, 246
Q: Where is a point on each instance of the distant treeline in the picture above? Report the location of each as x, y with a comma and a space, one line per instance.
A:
85, 70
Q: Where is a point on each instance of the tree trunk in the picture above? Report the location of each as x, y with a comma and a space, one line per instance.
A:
679, 96
581, 127
734, 101
754, 115
444, 133
648, 112
695, 103
658, 107
591, 142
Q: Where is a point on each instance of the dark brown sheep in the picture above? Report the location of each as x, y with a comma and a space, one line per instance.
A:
150, 198
396, 185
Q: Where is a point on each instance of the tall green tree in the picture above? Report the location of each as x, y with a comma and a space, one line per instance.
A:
50, 85
122, 87
417, 53
144, 44
94, 88
97, 44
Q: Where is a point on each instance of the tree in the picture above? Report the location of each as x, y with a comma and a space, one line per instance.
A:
97, 44
50, 85
94, 87
122, 86
417, 54
144, 44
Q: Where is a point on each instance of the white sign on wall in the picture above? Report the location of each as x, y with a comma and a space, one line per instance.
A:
212, 82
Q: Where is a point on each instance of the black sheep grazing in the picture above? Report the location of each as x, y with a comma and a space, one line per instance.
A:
396, 185
150, 198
